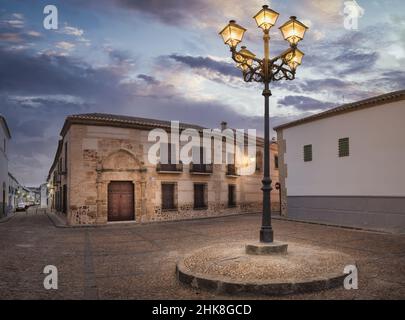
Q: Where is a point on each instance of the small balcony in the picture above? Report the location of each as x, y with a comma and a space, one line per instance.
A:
169, 167
231, 170
197, 168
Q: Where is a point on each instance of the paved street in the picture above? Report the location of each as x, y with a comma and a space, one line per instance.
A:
138, 261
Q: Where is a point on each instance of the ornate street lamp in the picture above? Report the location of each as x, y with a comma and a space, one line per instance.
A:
266, 70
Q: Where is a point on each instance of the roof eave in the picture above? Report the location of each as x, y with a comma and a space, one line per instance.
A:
349, 107
72, 120
8, 132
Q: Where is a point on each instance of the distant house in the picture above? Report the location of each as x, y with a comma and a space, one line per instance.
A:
44, 196
5, 136
34, 195
346, 165
14, 192
24, 195
101, 173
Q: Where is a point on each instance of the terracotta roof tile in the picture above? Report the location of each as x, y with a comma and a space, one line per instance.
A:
121, 119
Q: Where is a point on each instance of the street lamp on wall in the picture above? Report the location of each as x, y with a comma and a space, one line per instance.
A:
266, 70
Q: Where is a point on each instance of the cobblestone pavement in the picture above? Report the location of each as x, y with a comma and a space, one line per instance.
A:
138, 261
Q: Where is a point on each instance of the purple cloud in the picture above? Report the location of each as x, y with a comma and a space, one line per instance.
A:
224, 68
304, 103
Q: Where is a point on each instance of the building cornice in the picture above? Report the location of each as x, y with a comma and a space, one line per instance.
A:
111, 120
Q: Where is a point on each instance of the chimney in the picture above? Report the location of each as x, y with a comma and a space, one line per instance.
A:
224, 125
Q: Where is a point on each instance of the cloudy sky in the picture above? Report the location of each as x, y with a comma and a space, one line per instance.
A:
164, 59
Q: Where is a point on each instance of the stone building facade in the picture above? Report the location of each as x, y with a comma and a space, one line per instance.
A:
101, 173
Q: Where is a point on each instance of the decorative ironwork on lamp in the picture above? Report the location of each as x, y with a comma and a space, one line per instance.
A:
266, 70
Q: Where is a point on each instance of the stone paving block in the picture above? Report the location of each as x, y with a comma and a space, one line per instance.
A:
138, 261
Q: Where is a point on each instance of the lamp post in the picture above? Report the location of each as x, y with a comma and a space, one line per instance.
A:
278, 188
266, 70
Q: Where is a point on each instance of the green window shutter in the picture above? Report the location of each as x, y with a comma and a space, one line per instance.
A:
344, 147
308, 152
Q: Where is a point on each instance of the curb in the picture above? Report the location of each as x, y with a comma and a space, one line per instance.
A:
59, 224
225, 286
55, 220
282, 218
7, 218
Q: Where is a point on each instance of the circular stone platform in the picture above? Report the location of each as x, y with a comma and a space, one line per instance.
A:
227, 268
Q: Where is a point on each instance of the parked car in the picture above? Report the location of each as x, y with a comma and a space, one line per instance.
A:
21, 207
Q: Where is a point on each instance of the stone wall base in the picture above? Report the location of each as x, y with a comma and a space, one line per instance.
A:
379, 213
86, 215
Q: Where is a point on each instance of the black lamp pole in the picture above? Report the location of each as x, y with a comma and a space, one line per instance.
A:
281, 67
266, 231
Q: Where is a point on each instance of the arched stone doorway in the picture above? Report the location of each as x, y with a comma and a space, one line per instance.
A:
120, 187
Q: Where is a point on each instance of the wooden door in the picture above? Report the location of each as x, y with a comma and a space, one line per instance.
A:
121, 201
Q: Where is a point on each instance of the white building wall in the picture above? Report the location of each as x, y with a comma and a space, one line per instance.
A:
12, 196
3, 167
375, 167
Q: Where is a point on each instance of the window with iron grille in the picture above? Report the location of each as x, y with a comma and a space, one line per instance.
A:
64, 199
166, 150
199, 196
308, 152
259, 160
166, 163
200, 160
231, 195
199, 155
168, 202
344, 147
66, 156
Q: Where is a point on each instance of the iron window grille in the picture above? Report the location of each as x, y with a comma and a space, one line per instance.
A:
344, 147
308, 152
